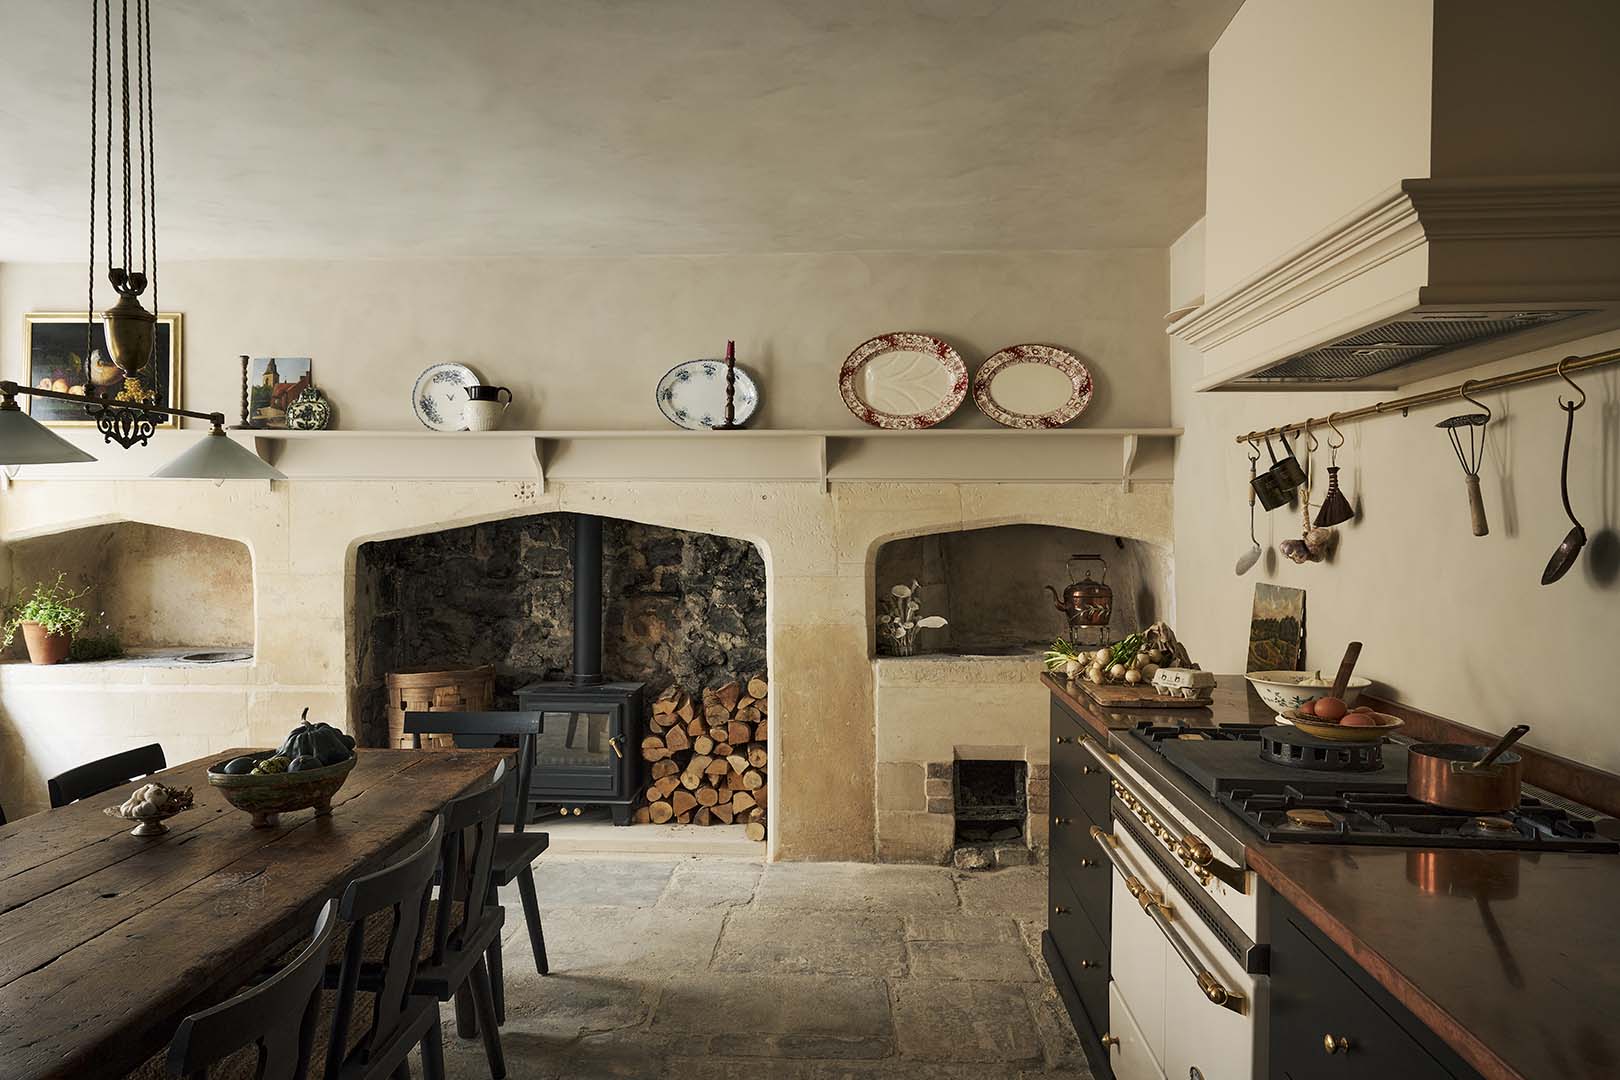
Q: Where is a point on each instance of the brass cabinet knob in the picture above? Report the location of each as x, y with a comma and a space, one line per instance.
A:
1087, 770
1060, 910
1088, 863
1062, 821
1335, 1045
1061, 740
1110, 1041
1087, 964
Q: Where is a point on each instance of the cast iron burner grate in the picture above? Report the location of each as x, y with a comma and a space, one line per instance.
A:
1293, 747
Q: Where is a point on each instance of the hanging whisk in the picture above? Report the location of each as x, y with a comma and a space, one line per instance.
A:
1336, 509
1471, 456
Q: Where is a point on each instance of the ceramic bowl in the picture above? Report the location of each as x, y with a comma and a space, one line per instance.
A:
1281, 689
267, 797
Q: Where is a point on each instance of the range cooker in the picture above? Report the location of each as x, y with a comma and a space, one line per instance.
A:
1358, 805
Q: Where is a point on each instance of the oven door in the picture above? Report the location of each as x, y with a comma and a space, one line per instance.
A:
1193, 1004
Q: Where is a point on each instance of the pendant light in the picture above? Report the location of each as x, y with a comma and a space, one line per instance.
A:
130, 330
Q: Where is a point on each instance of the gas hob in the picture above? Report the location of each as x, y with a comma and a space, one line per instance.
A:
1288, 804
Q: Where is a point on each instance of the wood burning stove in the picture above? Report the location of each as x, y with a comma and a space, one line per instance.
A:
589, 749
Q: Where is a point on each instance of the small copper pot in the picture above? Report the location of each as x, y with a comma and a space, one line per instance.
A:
1451, 775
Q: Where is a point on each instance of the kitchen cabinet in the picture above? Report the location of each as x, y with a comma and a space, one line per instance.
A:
1129, 1052
1078, 884
1331, 1021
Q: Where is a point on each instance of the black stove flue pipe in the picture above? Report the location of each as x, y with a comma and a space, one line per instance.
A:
587, 600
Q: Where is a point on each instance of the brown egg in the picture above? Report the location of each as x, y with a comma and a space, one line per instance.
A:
1362, 708
1361, 719
1330, 709
1307, 709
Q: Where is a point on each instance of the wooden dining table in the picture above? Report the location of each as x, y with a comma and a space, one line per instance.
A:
107, 940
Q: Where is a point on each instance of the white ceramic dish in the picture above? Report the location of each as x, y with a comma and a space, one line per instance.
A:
692, 395
438, 398
903, 381
1032, 387
1281, 689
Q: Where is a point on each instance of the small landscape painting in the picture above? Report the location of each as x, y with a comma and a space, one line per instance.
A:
274, 382
55, 345
1277, 628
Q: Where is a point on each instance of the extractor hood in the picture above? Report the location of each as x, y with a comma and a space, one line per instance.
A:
1508, 241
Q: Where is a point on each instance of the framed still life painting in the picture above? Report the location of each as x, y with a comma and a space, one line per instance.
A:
55, 346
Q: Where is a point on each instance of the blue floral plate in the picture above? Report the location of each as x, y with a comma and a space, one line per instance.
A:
693, 395
438, 398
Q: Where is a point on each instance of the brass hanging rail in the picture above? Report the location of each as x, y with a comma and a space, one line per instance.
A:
1570, 365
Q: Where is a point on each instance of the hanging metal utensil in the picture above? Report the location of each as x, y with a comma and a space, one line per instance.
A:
1336, 509
1267, 486
1247, 560
1474, 423
1575, 539
1290, 474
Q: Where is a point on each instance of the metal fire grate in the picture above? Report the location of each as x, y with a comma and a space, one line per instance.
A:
990, 800
1388, 345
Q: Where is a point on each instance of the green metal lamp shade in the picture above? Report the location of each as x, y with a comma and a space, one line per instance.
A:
215, 456
25, 441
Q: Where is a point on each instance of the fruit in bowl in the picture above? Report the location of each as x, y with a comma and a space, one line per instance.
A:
304, 772
1284, 690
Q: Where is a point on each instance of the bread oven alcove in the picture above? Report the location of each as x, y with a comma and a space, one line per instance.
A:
678, 611
962, 755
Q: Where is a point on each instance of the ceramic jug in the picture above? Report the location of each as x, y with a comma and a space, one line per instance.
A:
485, 407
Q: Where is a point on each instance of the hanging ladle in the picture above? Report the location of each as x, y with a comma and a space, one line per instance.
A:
1575, 539
1247, 560
1474, 423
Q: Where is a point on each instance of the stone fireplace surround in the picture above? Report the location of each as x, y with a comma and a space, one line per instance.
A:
819, 550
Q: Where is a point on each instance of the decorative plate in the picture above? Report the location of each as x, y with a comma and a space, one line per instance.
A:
1032, 386
693, 395
309, 411
438, 396
903, 381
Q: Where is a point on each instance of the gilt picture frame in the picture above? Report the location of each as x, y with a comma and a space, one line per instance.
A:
54, 342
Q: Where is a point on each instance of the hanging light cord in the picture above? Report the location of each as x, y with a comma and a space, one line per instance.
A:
149, 158
90, 298
129, 245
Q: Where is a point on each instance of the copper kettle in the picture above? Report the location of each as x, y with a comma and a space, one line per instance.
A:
1085, 602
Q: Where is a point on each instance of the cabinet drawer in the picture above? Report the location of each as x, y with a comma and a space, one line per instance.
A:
1072, 764
1312, 998
1077, 858
1130, 1054
1083, 950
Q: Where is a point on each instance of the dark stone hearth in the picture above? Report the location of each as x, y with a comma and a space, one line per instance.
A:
680, 606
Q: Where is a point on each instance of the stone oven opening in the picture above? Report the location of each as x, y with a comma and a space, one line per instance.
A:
990, 586
991, 802
680, 617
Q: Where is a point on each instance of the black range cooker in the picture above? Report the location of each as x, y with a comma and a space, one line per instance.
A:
1293, 788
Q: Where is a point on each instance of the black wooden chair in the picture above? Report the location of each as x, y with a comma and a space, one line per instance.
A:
92, 778
464, 920
516, 851
379, 1014
279, 1017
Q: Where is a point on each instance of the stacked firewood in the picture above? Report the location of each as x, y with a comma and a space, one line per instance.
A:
707, 758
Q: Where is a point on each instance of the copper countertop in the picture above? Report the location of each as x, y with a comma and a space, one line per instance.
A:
1513, 958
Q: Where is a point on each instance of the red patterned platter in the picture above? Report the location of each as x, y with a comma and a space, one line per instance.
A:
903, 381
1032, 386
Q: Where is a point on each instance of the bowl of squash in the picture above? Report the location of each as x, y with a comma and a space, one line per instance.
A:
303, 773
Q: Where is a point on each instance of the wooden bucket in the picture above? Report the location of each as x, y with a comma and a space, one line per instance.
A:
423, 690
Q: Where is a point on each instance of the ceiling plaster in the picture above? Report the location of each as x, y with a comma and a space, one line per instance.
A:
343, 128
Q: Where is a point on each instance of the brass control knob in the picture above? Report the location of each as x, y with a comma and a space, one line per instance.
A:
1197, 850
1335, 1045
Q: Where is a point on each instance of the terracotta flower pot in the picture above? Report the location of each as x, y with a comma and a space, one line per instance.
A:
44, 648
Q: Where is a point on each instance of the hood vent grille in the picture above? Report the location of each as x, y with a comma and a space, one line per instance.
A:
1389, 345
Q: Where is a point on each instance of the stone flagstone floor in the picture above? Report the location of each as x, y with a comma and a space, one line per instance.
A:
726, 969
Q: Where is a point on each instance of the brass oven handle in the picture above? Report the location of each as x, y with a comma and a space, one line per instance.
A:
1160, 912
614, 742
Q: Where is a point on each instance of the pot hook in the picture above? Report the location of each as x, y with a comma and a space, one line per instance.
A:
1476, 403
1571, 406
1333, 447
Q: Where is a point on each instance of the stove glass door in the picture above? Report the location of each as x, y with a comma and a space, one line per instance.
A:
575, 739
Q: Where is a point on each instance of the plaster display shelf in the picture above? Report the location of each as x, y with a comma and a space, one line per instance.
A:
821, 456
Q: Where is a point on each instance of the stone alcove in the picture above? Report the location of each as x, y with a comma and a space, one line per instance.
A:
681, 607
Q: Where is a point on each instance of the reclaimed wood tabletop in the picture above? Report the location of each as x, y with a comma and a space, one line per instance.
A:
108, 940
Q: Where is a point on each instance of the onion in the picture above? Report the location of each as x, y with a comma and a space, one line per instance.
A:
1133, 676
1117, 671
1102, 656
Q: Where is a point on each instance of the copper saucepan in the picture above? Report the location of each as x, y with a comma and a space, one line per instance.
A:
1462, 777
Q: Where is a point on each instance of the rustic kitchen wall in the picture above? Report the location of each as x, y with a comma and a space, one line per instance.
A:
681, 607
1455, 624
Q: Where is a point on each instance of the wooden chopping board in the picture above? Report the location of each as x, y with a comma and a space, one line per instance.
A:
1138, 697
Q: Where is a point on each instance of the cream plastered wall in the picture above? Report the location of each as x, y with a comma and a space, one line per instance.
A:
819, 551
582, 342
1454, 624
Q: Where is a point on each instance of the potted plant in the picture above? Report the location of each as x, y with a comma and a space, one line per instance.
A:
49, 619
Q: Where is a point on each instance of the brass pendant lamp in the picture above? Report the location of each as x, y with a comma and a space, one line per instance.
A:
130, 330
